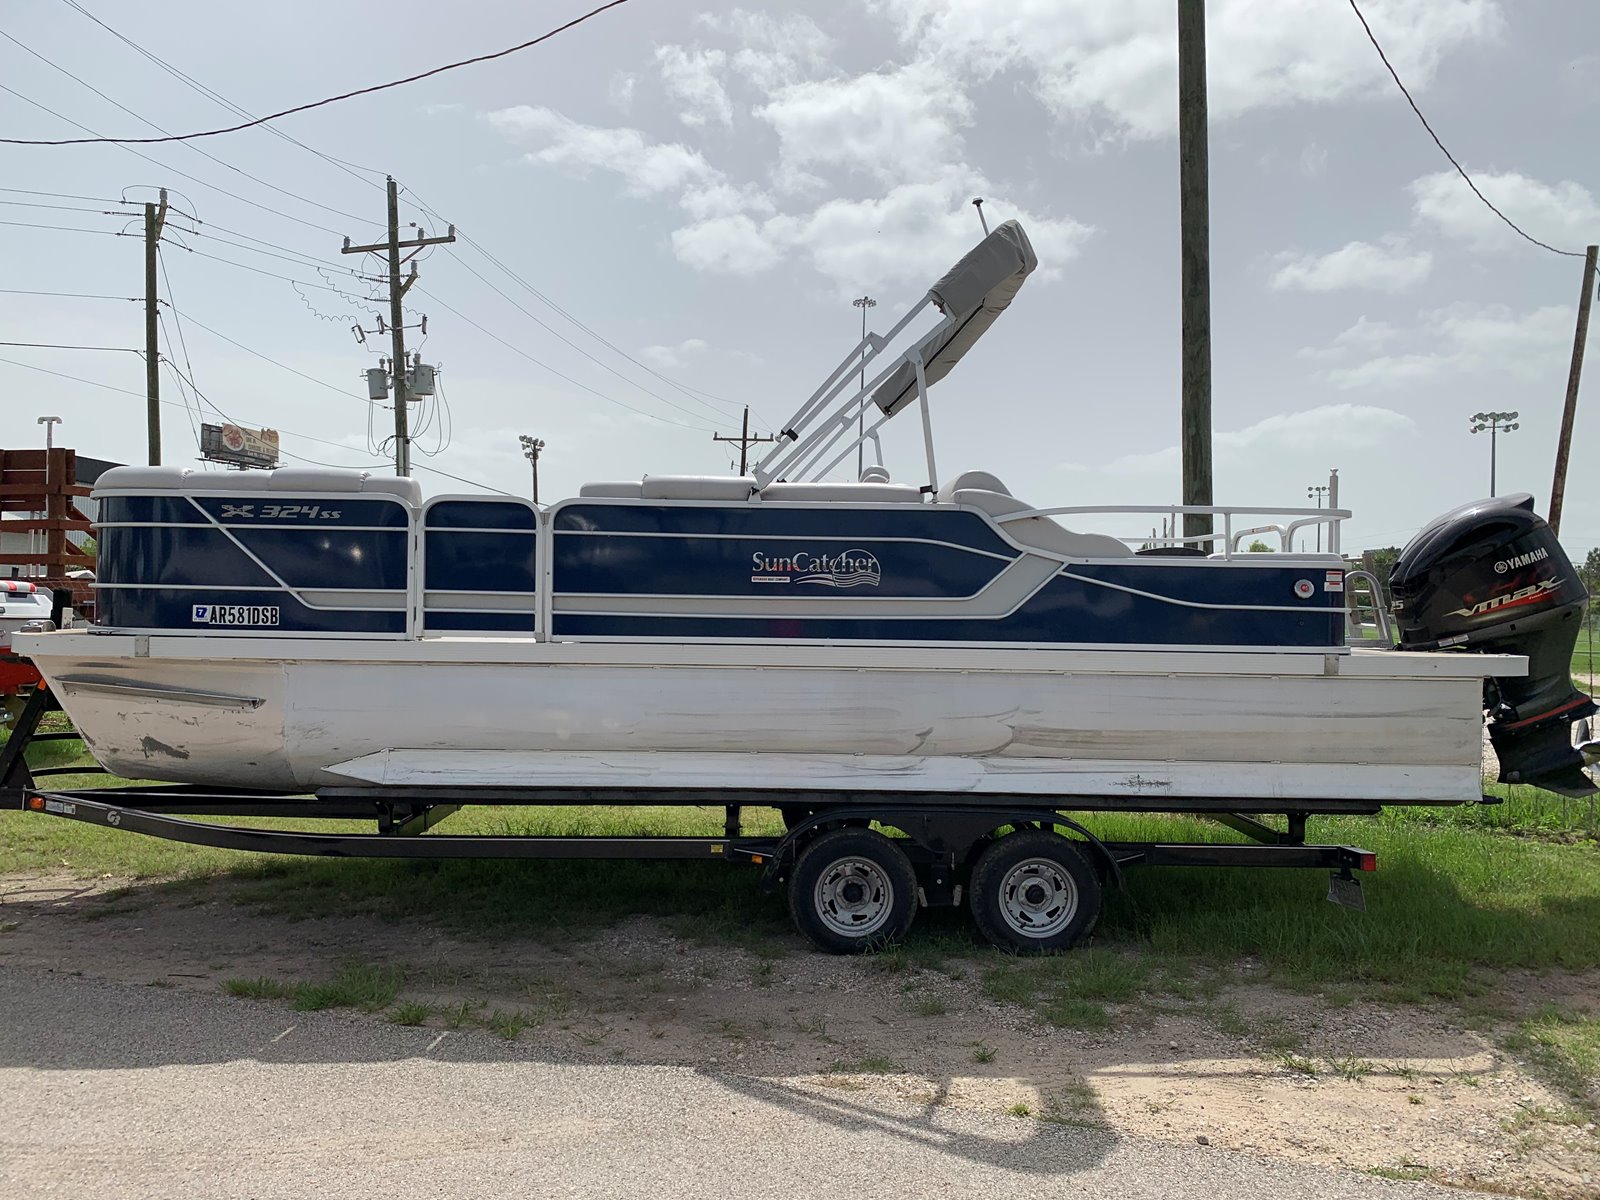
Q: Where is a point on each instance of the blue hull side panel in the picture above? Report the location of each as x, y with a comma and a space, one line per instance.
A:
664, 558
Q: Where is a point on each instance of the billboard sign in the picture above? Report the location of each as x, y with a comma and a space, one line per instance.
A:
238, 446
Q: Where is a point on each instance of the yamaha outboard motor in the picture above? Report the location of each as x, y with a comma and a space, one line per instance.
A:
1490, 577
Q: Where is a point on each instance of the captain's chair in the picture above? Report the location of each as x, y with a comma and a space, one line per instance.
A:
981, 490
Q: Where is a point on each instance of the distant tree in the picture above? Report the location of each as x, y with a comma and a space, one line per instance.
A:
1260, 547
1590, 571
1381, 562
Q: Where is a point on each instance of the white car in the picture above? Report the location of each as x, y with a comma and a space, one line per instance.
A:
20, 602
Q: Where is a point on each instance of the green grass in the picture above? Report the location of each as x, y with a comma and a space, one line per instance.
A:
411, 1012
1071, 990
369, 988
1565, 1048
260, 988
1446, 903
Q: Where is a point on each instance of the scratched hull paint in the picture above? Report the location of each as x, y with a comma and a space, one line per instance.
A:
286, 715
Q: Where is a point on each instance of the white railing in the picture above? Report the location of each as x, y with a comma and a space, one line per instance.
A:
1291, 521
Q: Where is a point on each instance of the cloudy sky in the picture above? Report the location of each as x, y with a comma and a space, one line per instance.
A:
670, 208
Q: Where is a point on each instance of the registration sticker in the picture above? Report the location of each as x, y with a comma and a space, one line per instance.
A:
235, 614
1334, 582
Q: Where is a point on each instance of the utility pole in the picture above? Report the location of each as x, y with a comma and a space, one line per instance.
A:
1569, 413
397, 290
530, 451
1194, 219
745, 441
864, 303
155, 217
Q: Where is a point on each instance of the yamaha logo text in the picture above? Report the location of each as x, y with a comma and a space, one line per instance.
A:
847, 569
1521, 560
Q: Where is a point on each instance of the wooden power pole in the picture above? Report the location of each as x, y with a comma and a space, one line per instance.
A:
155, 217
745, 441
1569, 413
397, 289
1194, 219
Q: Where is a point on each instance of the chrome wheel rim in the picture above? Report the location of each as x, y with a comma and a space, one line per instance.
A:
1038, 899
854, 897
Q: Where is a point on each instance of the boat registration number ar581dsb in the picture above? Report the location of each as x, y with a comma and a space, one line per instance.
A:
235, 614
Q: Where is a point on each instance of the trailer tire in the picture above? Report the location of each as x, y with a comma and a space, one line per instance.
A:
853, 890
1033, 892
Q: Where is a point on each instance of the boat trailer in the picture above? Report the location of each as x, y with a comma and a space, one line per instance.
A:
1032, 876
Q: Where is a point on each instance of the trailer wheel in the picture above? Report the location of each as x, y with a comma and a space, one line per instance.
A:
853, 890
1033, 892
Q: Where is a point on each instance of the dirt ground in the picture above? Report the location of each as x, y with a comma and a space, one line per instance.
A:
1411, 1091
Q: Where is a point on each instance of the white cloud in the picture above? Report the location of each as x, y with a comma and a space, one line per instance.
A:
649, 168
915, 230
773, 51
1314, 161
1118, 61
733, 245
1389, 267
621, 88
1329, 428
1564, 214
1363, 335
673, 358
910, 232
886, 123
692, 77
1464, 337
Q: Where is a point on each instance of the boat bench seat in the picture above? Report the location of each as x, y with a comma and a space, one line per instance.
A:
299, 480
675, 487
842, 493
1041, 532
979, 489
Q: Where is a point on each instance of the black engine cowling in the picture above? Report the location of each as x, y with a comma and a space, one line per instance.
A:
1491, 577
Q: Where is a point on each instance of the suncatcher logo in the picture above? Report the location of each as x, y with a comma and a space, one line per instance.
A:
847, 569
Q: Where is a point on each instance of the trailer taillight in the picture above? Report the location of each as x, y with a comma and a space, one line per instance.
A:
36, 803
1367, 861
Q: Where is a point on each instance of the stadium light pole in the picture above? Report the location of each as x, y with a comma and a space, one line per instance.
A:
1317, 493
530, 451
1496, 423
863, 303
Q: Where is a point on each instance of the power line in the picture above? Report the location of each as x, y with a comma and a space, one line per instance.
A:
348, 168
60, 228
268, 358
567, 341
60, 195
177, 321
67, 346
692, 393
55, 207
559, 375
65, 295
304, 436
1459, 171
174, 170
299, 108
188, 411
246, 267
146, 120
